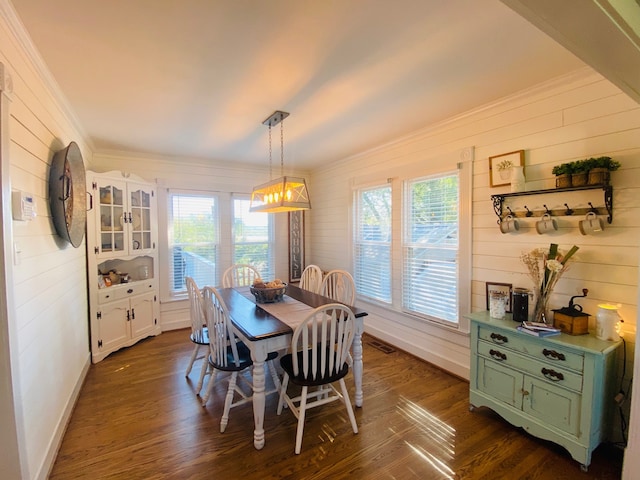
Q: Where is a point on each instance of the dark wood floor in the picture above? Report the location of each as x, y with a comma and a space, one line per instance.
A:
138, 418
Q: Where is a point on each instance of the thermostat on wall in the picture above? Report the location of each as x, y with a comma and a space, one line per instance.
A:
23, 206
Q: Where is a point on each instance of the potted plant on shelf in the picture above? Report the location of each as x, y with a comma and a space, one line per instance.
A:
600, 168
563, 174
580, 172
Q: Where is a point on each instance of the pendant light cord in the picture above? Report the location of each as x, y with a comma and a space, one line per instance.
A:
282, 148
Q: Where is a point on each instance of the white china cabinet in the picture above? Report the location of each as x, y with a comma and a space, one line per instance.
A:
122, 261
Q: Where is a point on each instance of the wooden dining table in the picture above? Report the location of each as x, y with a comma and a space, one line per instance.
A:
268, 328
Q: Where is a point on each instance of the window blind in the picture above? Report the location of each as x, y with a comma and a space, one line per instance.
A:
372, 245
430, 247
193, 240
251, 238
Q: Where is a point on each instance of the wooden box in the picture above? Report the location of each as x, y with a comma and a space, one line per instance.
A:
571, 321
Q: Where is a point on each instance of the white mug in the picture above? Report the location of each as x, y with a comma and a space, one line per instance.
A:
509, 224
546, 224
591, 224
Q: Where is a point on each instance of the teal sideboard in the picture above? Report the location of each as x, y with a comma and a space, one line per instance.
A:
557, 388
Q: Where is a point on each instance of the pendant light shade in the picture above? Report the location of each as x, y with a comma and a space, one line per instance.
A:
283, 194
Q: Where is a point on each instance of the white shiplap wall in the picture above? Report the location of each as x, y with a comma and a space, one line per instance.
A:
47, 323
577, 116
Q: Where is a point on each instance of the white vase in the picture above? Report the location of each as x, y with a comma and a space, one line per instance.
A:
517, 178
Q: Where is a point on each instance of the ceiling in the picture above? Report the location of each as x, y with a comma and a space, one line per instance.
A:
196, 78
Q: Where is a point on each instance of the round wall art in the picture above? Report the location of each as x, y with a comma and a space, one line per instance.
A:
67, 194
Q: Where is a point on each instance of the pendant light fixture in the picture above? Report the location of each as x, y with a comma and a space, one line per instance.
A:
283, 194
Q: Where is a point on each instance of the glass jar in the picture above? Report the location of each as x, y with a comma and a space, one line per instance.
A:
497, 304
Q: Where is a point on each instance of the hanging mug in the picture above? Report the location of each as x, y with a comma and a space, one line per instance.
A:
591, 224
509, 224
546, 224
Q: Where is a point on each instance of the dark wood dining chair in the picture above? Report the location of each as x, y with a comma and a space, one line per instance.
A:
320, 348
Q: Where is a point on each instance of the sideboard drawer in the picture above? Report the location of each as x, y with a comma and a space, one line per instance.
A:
521, 342
542, 370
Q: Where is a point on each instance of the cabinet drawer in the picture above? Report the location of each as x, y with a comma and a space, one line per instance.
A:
536, 347
119, 292
550, 372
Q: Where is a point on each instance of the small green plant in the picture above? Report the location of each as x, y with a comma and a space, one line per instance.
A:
563, 169
604, 162
581, 166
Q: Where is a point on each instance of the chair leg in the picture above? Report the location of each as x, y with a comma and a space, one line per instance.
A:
194, 354
301, 414
347, 403
228, 401
203, 373
212, 380
283, 391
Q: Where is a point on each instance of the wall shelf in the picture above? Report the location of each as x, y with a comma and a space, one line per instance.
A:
498, 202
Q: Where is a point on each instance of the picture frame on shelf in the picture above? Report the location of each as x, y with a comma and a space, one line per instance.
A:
505, 288
500, 167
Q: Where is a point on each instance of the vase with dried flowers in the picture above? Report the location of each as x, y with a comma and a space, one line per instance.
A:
545, 267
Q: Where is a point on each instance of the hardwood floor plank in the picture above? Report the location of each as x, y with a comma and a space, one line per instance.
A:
138, 417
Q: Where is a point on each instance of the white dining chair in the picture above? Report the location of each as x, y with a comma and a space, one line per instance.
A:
199, 334
320, 348
311, 278
239, 275
226, 353
339, 285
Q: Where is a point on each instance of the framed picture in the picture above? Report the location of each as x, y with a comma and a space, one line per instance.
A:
500, 167
500, 287
296, 245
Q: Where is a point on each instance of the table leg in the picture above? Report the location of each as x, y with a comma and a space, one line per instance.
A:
258, 356
357, 362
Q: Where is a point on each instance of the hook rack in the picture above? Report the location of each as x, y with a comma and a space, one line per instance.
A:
498, 201
568, 211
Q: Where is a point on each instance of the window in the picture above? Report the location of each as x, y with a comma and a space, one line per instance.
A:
430, 247
372, 243
251, 238
193, 239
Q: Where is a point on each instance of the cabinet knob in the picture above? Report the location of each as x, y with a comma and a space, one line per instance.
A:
524, 392
130, 290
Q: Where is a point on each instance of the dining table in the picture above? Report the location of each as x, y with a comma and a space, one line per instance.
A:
269, 327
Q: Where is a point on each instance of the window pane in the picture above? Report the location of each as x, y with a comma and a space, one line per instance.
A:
430, 252
251, 235
373, 243
193, 239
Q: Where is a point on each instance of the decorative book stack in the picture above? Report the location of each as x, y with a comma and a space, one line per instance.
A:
539, 329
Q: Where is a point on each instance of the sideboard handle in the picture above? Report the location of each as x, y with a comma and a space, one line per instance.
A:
497, 338
553, 355
498, 355
552, 375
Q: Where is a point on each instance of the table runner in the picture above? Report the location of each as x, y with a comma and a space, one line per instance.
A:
289, 310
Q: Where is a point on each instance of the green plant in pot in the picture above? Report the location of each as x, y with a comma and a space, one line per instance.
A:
600, 168
580, 172
563, 174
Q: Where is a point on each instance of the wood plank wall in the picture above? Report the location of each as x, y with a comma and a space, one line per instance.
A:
48, 329
574, 117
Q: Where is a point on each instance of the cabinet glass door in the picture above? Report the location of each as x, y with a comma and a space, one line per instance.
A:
111, 227
140, 221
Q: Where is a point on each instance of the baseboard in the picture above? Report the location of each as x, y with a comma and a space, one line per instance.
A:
56, 440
